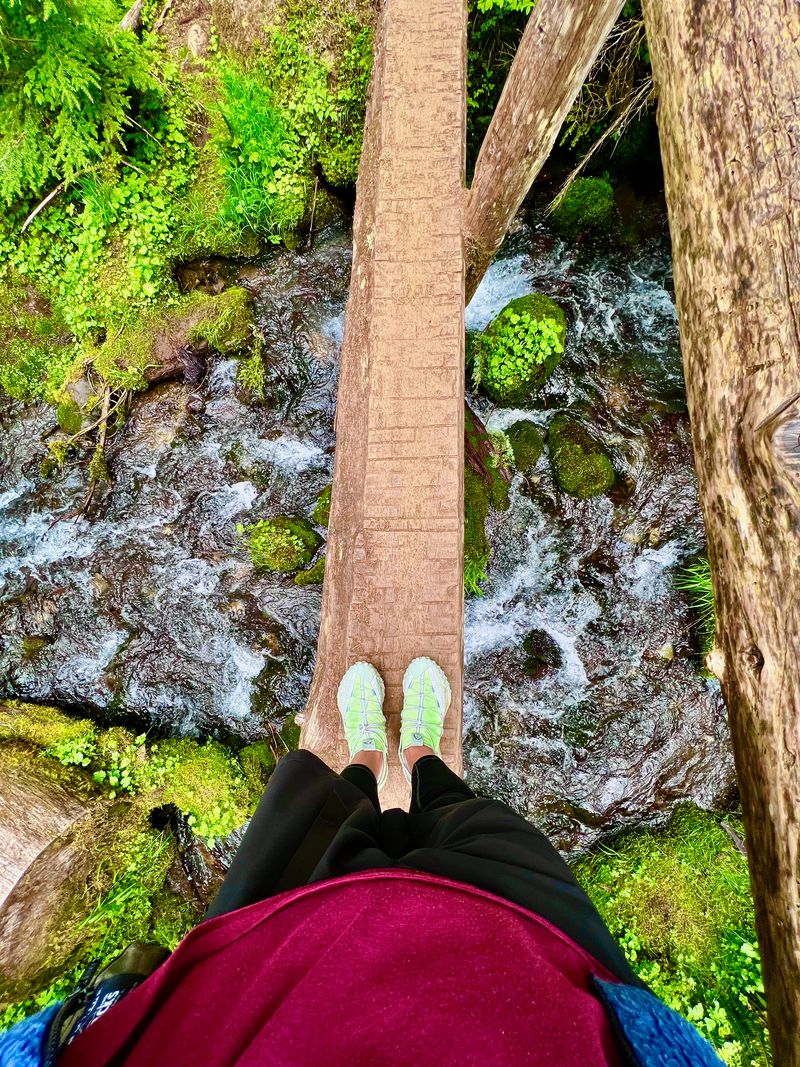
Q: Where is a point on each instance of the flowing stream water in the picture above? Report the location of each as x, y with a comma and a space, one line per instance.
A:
152, 613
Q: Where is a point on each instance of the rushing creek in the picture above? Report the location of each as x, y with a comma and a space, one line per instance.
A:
152, 612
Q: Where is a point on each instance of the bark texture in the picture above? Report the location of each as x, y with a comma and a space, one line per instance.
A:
394, 566
560, 43
728, 80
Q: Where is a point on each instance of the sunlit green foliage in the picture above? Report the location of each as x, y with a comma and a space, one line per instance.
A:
70, 76
493, 34
695, 580
154, 186
679, 903
519, 349
285, 544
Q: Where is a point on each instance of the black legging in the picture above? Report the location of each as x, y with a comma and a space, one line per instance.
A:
313, 824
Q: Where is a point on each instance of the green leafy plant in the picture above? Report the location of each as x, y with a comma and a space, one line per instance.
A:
494, 31
695, 580
518, 349
679, 902
284, 544
70, 74
506, 5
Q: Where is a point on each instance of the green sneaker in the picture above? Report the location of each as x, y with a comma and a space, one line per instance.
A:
360, 700
426, 698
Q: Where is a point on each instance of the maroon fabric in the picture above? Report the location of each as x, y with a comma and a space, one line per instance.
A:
385, 967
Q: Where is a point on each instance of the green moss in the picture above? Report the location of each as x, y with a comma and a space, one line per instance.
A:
35, 346
258, 762
203, 782
499, 455
43, 726
581, 467
285, 544
587, 205
315, 574
224, 321
69, 415
322, 508
519, 349
203, 227
527, 444
679, 903
476, 543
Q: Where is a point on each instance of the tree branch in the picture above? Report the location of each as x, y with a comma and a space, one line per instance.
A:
561, 42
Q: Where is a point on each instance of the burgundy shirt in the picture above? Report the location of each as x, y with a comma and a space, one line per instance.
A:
385, 967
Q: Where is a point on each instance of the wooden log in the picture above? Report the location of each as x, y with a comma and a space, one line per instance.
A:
728, 82
394, 566
561, 42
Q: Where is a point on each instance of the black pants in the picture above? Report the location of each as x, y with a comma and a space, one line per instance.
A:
313, 824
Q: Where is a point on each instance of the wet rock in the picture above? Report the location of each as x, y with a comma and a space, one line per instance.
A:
158, 347
527, 444
587, 206
581, 466
154, 608
541, 653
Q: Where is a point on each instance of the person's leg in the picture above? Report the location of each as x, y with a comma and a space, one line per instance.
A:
306, 804
361, 774
485, 844
433, 784
303, 806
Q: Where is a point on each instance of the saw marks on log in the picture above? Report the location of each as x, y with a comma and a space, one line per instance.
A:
394, 568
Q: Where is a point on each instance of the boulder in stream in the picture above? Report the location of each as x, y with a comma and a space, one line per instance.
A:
581, 466
519, 349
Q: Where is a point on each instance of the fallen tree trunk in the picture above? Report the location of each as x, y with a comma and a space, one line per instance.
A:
728, 80
394, 566
561, 42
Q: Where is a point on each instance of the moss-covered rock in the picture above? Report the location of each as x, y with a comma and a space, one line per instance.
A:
580, 465
315, 575
257, 762
149, 349
587, 206
519, 349
36, 352
527, 444
490, 451
322, 508
224, 321
476, 543
284, 544
678, 901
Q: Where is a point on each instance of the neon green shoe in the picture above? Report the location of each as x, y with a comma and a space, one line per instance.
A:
360, 700
426, 698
